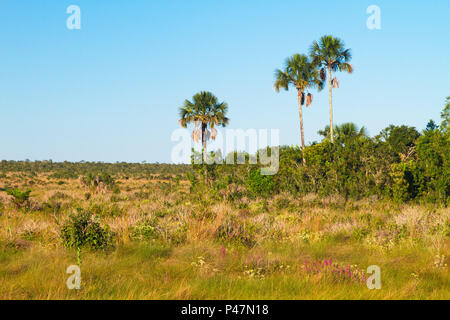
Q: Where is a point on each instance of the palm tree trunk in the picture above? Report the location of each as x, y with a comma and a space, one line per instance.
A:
205, 155
301, 124
204, 142
330, 89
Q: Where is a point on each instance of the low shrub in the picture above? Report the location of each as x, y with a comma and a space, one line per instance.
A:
82, 231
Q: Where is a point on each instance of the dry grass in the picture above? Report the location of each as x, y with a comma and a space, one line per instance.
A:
195, 259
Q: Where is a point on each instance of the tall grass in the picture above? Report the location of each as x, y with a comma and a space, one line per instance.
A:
203, 248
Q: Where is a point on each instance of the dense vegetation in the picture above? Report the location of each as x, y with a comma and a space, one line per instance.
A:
399, 164
74, 170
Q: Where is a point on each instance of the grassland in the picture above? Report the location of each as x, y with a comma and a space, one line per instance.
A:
174, 244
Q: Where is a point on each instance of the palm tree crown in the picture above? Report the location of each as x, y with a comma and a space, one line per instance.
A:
344, 131
300, 73
204, 111
329, 54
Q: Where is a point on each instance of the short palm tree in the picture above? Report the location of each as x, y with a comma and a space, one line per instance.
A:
300, 73
204, 111
344, 131
330, 56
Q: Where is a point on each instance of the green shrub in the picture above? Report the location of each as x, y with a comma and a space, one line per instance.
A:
258, 184
20, 198
82, 231
360, 233
145, 230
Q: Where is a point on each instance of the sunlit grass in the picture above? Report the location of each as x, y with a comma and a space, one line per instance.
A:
406, 241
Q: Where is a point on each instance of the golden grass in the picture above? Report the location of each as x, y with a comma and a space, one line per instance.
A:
406, 241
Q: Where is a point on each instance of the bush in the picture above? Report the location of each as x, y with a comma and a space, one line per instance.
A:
20, 198
258, 184
82, 231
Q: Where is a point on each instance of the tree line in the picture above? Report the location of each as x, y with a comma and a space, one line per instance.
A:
400, 163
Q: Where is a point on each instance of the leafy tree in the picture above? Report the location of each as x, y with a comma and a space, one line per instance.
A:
401, 139
432, 175
204, 111
300, 73
431, 126
330, 55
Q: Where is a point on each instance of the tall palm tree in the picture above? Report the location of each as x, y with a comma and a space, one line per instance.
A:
330, 55
204, 111
300, 73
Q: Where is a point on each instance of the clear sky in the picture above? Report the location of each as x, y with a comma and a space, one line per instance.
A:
111, 91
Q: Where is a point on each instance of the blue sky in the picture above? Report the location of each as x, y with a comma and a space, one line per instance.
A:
111, 91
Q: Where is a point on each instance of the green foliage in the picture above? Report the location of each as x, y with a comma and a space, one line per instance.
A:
73, 170
64, 175
360, 233
96, 179
399, 164
400, 138
403, 181
432, 174
82, 231
258, 184
431, 126
145, 230
192, 179
20, 198
445, 115
169, 230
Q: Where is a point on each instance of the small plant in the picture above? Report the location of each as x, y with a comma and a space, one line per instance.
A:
20, 198
82, 231
145, 230
360, 233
